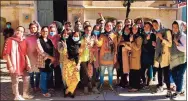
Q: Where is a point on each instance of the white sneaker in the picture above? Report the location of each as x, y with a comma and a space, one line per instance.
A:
19, 98
26, 96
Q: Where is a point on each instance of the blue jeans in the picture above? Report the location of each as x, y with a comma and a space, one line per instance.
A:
177, 74
44, 79
34, 79
110, 74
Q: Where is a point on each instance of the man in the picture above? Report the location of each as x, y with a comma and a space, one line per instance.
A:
9, 31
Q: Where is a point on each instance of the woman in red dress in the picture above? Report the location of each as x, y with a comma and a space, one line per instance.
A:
18, 62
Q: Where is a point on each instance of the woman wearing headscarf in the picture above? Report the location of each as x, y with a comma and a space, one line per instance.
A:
118, 32
135, 65
162, 55
147, 56
123, 56
71, 64
178, 63
108, 53
55, 37
18, 62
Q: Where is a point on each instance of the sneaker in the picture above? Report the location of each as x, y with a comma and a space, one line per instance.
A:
100, 87
159, 90
19, 98
95, 90
86, 91
47, 95
169, 94
111, 88
176, 96
182, 93
26, 96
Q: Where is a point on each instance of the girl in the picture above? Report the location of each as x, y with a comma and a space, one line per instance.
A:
147, 56
178, 62
108, 44
31, 41
18, 62
123, 56
134, 75
55, 37
71, 64
45, 57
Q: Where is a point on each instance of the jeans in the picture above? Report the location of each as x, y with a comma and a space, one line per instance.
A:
110, 74
34, 79
44, 80
177, 74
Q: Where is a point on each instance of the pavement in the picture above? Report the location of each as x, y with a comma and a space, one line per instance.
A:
106, 94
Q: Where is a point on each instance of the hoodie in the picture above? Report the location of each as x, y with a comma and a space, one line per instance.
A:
178, 53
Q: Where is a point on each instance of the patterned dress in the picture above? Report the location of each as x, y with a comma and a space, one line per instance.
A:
70, 73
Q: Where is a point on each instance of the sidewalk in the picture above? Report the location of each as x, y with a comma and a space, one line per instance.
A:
118, 94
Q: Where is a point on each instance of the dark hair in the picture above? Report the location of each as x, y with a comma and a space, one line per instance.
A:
33, 23
155, 21
19, 27
119, 22
44, 27
8, 23
107, 23
149, 23
87, 27
86, 21
68, 23
175, 22
77, 22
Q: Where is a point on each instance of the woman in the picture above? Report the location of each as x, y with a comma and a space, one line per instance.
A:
87, 58
31, 41
123, 56
55, 37
18, 62
108, 53
71, 64
162, 55
134, 75
95, 50
178, 61
45, 57
147, 56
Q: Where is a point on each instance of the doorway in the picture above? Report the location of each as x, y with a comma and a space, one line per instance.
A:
60, 10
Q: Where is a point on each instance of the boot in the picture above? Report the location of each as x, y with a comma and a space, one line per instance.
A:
86, 91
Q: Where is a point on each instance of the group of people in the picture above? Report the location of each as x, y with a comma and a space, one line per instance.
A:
61, 57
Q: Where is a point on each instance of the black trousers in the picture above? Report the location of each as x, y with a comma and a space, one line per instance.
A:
83, 74
164, 75
144, 72
134, 79
56, 79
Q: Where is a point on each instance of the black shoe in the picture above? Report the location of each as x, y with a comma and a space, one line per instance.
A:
72, 95
169, 94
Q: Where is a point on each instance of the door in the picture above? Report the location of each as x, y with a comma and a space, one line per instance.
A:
45, 12
60, 10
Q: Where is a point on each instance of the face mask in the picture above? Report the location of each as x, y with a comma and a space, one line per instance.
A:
86, 35
8, 26
120, 32
52, 33
126, 33
65, 38
75, 38
147, 32
175, 33
96, 33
